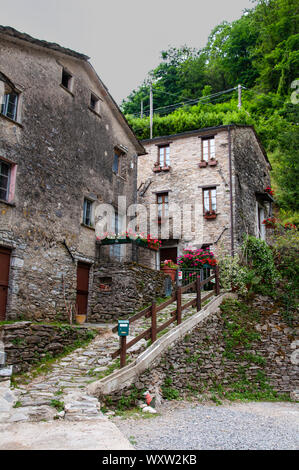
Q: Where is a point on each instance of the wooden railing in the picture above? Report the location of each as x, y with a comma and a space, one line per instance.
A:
175, 316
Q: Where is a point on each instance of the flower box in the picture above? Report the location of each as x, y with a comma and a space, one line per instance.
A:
202, 164
156, 169
210, 215
212, 162
165, 168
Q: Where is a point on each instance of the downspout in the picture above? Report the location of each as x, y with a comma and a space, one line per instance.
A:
231, 193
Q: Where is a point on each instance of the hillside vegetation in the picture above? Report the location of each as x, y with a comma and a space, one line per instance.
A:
259, 51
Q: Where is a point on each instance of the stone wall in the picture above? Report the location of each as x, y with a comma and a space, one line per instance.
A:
198, 364
26, 343
120, 289
251, 176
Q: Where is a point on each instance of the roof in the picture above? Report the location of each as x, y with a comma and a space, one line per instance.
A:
14, 34
205, 131
8, 31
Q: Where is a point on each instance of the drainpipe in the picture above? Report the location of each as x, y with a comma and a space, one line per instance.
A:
231, 193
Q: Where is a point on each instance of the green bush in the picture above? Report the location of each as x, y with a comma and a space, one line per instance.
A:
258, 256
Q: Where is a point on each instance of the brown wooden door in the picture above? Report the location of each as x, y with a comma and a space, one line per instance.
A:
82, 288
4, 277
168, 253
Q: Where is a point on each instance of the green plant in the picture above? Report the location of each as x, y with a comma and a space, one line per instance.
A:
59, 405
169, 393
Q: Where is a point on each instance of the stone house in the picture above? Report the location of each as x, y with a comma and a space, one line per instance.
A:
206, 188
65, 147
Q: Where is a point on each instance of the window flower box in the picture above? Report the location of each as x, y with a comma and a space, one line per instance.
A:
210, 215
212, 162
270, 222
203, 164
165, 168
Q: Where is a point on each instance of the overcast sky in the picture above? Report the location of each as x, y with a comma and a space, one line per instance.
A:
123, 37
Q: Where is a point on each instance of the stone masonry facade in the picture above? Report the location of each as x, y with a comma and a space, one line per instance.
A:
59, 151
239, 172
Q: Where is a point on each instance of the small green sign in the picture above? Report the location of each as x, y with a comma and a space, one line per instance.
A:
123, 327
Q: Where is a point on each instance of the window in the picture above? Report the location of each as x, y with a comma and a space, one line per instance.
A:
208, 148
209, 201
116, 162
66, 80
162, 201
163, 159
94, 103
87, 212
4, 180
9, 102
119, 167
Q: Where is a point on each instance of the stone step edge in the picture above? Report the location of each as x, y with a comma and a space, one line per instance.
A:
127, 375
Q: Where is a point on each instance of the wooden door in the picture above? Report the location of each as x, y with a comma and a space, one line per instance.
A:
168, 253
4, 277
82, 288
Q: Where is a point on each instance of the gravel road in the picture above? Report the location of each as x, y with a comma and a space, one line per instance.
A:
237, 426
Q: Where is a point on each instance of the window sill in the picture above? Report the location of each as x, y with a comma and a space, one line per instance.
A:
94, 112
91, 227
11, 204
66, 89
158, 169
11, 120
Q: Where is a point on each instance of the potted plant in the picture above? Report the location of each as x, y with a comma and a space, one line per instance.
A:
80, 317
202, 164
169, 267
157, 167
269, 190
270, 222
210, 215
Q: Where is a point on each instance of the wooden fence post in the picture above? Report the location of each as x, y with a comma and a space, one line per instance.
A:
154, 322
198, 292
179, 305
217, 281
123, 350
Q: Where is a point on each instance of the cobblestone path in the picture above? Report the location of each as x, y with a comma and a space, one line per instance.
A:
61, 392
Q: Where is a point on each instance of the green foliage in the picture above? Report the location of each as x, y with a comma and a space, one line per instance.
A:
169, 393
235, 276
259, 257
286, 256
59, 405
238, 327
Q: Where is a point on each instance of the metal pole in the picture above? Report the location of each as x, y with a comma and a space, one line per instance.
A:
239, 96
151, 111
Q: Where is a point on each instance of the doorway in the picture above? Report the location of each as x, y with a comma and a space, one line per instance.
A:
4, 278
82, 288
169, 253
